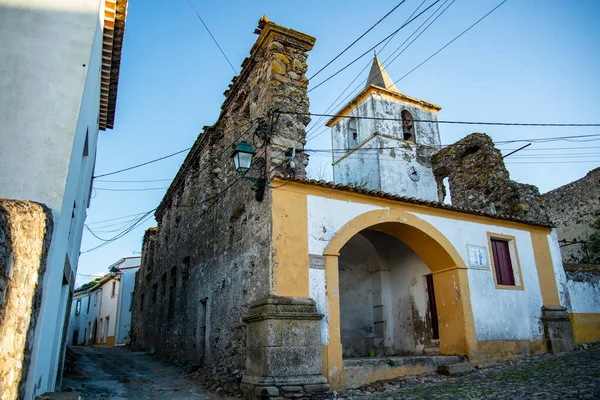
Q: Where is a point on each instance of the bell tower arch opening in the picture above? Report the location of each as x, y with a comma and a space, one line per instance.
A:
408, 126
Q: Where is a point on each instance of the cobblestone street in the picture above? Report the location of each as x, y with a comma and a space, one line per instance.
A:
570, 376
119, 373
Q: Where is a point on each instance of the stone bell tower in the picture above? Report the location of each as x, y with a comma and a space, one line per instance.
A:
384, 140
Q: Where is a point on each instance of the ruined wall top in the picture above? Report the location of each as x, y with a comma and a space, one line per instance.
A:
573, 208
478, 180
272, 78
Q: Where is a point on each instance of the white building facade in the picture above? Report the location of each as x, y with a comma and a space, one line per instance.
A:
60, 66
101, 313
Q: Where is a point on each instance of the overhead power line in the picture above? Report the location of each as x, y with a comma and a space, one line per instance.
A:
142, 164
371, 49
211, 35
449, 122
450, 42
355, 41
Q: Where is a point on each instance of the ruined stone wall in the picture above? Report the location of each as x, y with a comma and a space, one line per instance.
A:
479, 180
573, 208
210, 255
25, 235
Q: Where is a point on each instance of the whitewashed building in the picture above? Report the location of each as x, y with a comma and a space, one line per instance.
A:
59, 69
101, 312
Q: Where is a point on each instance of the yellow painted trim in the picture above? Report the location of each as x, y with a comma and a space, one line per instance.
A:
333, 363
351, 151
307, 188
513, 240
494, 351
586, 327
372, 89
457, 327
545, 269
290, 244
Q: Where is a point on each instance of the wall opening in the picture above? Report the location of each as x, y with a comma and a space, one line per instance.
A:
352, 133
385, 306
408, 126
447, 196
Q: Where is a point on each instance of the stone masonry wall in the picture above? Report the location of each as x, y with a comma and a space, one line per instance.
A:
479, 180
25, 235
573, 208
210, 255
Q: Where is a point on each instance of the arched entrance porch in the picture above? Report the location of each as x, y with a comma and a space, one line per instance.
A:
456, 327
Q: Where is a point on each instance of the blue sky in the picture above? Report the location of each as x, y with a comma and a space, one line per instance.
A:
529, 61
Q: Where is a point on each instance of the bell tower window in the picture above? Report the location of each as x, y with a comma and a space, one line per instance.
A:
408, 124
352, 133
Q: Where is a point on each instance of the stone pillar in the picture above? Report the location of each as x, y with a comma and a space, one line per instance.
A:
557, 329
283, 355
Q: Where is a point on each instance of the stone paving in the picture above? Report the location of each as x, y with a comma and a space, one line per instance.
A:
574, 375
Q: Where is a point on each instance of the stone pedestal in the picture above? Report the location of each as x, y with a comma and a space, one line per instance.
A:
557, 329
283, 354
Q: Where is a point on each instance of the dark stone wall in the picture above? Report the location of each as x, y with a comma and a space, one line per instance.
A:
479, 180
25, 235
210, 255
573, 208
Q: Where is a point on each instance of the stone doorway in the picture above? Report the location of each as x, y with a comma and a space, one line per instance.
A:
387, 299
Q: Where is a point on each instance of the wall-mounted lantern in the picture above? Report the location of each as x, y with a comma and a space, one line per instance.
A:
243, 161
242, 157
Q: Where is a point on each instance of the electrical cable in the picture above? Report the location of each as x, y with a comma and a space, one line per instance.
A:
211, 35
142, 164
355, 41
161, 158
313, 127
385, 62
450, 42
451, 122
371, 49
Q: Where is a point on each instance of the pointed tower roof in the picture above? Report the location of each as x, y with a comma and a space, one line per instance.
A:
379, 77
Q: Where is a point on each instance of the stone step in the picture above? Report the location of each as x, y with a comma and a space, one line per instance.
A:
455, 369
431, 351
59, 396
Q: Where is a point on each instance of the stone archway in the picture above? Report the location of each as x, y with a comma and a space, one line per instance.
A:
456, 326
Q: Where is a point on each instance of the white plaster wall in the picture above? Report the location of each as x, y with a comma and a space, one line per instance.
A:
317, 291
516, 313
127, 284
427, 133
409, 301
559, 271
49, 99
327, 216
78, 322
499, 314
394, 167
585, 296
386, 168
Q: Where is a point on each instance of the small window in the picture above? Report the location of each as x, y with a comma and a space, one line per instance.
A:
114, 289
78, 307
505, 262
89, 300
352, 133
96, 297
408, 126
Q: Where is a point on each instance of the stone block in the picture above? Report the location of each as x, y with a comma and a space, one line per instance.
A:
291, 389
558, 329
318, 388
455, 369
266, 391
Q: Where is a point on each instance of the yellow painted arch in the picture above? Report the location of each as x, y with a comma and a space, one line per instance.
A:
456, 325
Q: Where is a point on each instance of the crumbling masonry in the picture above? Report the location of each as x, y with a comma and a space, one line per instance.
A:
210, 257
25, 234
479, 180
